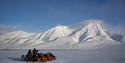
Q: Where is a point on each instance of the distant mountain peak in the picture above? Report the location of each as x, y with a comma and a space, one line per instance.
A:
93, 25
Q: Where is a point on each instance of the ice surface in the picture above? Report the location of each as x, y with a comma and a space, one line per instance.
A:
70, 56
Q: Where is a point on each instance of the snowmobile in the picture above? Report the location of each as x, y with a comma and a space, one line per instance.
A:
34, 56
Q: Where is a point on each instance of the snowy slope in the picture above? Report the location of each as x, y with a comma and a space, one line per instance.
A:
117, 36
15, 36
56, 32
91, 35
123, 39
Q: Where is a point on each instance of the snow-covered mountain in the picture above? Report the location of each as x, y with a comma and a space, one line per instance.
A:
56, 32
91, 35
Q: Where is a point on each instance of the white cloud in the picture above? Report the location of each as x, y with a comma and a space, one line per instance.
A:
116, 28
7, 28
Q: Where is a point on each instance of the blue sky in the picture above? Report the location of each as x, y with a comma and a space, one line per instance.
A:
40, 15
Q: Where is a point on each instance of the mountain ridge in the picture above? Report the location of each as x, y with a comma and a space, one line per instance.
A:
92, 34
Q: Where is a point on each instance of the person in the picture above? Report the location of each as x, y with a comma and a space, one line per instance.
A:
35, 51
34, 58
35, 54
23, 57
29, 56
29, 52
39, 57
